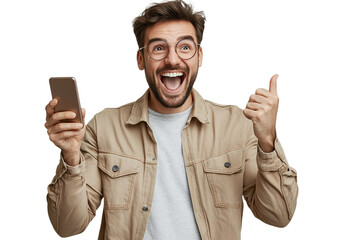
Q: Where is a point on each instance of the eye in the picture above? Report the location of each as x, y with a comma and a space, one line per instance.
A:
185, 47
158, 48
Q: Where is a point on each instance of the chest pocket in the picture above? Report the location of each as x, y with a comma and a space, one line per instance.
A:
225, 178
118, 179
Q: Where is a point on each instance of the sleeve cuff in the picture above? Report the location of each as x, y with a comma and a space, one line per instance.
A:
73, 171
66, 171
271, 161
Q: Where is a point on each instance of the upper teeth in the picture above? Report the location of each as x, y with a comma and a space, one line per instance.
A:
176, 74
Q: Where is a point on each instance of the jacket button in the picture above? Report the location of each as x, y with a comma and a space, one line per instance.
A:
227, 164
145, 208
115, 168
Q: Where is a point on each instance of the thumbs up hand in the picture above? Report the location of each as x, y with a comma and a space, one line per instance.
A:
261, 109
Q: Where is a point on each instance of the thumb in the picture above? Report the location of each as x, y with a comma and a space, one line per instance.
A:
273, 84
83, 112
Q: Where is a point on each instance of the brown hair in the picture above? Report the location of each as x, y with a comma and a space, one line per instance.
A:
170, 10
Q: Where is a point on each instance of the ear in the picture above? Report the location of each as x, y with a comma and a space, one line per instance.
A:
140, 60
200, 57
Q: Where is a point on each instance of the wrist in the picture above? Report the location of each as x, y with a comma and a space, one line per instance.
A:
71, 158
267, 145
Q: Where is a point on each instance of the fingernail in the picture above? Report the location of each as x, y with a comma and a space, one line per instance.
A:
72, 115
79, 125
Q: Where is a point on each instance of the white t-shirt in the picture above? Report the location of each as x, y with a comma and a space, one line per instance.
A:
171, 214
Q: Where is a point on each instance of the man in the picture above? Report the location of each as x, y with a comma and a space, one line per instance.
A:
171, 165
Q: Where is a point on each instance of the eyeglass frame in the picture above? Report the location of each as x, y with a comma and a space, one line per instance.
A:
159, 39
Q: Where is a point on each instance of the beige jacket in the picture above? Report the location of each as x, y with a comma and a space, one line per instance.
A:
222, 159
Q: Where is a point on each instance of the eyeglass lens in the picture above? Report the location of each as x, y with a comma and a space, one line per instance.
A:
185, 49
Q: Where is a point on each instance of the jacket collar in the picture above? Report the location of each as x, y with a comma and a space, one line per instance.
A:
140, 109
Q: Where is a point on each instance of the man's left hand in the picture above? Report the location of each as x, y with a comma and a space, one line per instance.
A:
261, 109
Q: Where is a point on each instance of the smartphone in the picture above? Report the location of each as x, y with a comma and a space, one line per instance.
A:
65, 90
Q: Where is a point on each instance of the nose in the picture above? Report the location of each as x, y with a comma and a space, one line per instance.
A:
172, 58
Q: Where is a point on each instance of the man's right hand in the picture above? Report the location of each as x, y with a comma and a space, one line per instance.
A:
66, 136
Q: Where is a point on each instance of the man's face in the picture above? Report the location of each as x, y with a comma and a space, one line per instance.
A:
170, 79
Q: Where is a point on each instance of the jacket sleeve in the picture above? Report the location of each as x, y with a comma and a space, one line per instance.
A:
270, 183
75, 192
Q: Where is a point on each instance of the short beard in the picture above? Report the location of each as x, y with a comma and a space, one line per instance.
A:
169, 104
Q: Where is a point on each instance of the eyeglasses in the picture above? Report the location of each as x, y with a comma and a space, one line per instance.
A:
159, 49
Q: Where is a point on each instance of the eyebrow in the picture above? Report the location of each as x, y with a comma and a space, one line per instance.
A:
189, 37
178, 39
155, 39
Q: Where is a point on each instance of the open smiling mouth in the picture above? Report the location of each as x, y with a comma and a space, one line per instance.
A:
172, 81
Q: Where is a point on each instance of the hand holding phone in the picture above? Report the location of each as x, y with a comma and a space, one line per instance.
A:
64, 119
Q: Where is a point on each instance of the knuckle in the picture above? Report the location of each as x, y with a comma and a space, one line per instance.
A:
260, 90
53, 117
60, 127
246, 113
62, 135
52, 137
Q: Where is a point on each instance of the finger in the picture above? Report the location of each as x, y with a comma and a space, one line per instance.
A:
273, 84
61, 127
250, 114
59, 116
83, 112
263, 92
50, 108
257, 98
253, 106
64, 135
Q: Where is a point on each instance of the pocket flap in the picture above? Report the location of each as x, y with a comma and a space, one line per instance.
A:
117, 166
233, 159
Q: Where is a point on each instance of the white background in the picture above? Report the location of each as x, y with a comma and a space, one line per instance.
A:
313, 45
